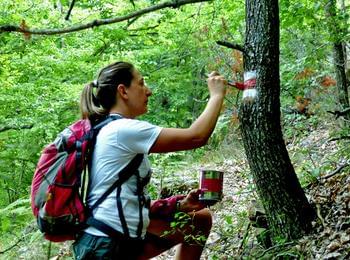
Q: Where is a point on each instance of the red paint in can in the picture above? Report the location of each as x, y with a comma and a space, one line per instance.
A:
211, 184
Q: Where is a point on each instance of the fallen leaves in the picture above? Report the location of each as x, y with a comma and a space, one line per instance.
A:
25, 27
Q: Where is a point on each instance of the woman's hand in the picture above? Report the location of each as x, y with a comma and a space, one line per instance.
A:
190, 202
216, 84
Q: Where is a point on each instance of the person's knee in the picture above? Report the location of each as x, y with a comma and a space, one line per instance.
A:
208, 220
204, 221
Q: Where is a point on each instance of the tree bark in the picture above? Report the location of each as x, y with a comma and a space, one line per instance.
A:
339, 55
288, 212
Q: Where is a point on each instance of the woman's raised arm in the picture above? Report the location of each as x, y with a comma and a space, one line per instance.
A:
197, 135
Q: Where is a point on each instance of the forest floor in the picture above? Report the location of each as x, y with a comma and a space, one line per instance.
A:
234, 236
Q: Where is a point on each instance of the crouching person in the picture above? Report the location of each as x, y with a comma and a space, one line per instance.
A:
125, 225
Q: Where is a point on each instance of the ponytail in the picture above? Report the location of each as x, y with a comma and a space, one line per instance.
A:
89, 105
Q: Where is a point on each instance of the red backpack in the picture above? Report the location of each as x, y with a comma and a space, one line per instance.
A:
57, 189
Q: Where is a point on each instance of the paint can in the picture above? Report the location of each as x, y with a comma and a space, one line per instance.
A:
211, 184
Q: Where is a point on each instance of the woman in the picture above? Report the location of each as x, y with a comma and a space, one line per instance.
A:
120, 91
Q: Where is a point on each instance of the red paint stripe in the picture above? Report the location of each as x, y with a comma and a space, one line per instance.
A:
250, 83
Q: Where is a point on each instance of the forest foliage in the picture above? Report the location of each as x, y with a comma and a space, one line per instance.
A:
41, 78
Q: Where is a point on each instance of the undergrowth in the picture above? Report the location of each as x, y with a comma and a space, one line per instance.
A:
306, 140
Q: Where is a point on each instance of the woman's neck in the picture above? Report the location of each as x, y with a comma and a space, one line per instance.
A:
120, 112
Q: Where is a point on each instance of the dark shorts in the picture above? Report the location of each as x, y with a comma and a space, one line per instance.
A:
90, 247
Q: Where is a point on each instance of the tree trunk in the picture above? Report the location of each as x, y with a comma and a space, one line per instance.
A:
288, 212
339, 55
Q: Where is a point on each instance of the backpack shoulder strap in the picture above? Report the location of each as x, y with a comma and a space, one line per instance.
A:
124, 175
105, 121
91, 136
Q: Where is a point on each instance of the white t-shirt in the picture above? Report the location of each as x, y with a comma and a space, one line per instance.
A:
116, 145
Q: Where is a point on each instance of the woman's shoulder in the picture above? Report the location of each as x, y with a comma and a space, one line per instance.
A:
128, 125
129, 122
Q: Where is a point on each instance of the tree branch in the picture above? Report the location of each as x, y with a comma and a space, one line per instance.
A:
231, 45
338, 170
338, 113
339, 138
13, 127
70, 10
130, 22
96, 23
14, 245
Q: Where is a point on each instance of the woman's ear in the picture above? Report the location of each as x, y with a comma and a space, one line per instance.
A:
122, 90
